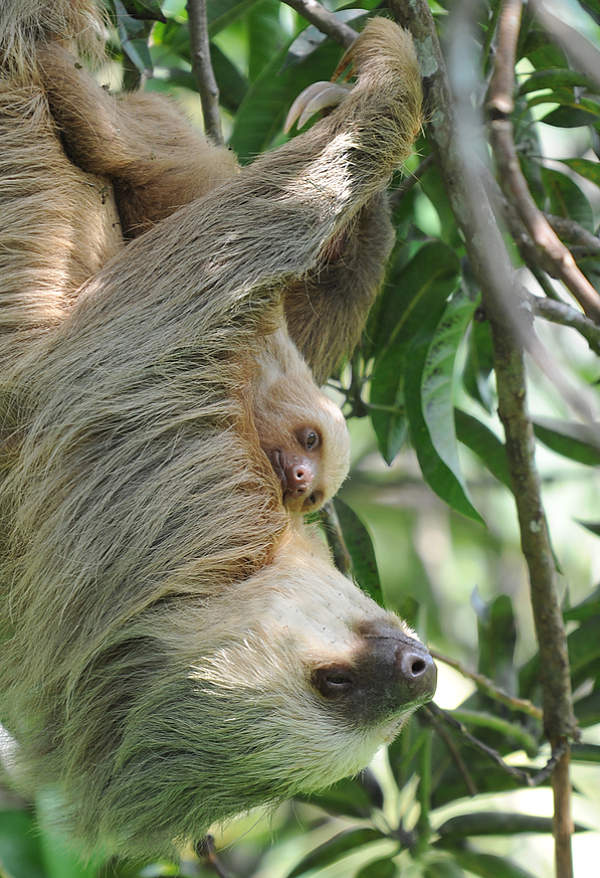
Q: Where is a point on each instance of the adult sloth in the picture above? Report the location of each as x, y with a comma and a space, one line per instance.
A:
176, 647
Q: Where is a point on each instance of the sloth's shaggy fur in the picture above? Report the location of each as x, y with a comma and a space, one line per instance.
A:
162, 616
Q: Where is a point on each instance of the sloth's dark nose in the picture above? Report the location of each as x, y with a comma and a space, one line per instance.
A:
391, 673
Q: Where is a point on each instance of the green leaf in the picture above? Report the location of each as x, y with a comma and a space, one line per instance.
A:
437, 383
554, 78
20, 852
431, 347
221, 13
584, 647
442, 869
383, 868
586, 168
414, 292
495, 823
335, 848
586, 752
580, 442
566, 198
264, 35
587, 711
353, 797
360, 545
262, 112
479, 364
484, 443
586, 609
592, 526
572, 113
510, 731
489, 865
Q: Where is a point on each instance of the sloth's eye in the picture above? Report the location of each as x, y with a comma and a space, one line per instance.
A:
332, 682
309, 438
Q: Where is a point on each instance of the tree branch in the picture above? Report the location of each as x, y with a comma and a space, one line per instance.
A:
488, 687
324, 21
205, 77
563, 314
465, 187
512, 180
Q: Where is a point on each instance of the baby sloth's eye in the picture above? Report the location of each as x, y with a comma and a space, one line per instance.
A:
309, 438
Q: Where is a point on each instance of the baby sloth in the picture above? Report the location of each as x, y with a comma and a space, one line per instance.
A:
302, 432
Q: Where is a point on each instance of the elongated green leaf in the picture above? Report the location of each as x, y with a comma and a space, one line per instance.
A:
509, 730
353, 796
360, 545
592, 526
572, 113
586, 752
263, 110
407, 297
484, 443
566, 198
580, 442
587, 711
437, 383
554, 78
495, 823
587, 609
336, 847
588, 169
479, 364
414, 293
378, 869
443, 869
221, 13
489, 865
264, 35
437, 474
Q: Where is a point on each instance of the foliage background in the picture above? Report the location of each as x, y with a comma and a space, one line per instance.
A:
427, 513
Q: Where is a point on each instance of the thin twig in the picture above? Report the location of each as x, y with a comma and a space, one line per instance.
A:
335, 539
324, 21
205, 850
205, 77
563, 314
572, 232
454, 752
526, 778
489, 687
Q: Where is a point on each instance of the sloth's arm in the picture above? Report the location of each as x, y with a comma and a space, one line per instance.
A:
141, 141
305, 217
326, 310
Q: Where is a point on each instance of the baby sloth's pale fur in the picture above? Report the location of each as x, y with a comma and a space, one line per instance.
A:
161, 612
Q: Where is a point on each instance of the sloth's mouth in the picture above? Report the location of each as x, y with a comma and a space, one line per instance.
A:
275, 457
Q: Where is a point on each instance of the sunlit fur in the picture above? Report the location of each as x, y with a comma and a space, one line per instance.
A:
161, 613
286, 399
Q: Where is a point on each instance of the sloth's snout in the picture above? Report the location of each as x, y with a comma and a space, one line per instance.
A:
390, 674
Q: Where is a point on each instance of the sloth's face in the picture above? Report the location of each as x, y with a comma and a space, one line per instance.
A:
306, 678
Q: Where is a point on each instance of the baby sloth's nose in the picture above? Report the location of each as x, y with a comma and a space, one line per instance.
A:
390, 674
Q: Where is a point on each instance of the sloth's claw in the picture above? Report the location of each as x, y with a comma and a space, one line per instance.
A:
318, 96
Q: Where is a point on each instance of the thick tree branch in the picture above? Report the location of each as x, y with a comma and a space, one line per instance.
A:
489, 261
324, 21
513, 182
205, 77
